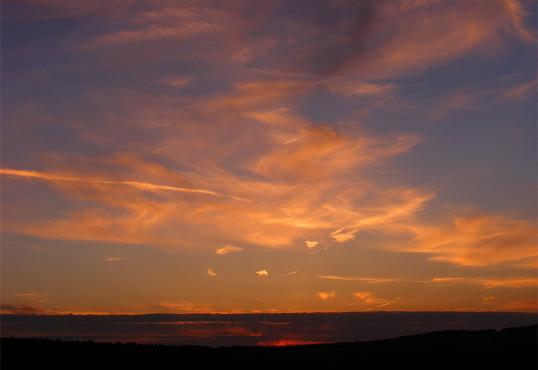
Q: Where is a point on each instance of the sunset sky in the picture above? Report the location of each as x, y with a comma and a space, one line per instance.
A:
268, 156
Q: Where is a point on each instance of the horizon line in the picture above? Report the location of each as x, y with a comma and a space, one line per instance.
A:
260, 313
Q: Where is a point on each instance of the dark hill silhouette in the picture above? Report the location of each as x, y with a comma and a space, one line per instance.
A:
512, 348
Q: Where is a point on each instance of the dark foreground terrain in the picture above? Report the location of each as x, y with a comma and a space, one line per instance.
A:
512, 348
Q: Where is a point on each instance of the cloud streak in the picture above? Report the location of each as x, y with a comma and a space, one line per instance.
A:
371, 280
227, 249
96, 181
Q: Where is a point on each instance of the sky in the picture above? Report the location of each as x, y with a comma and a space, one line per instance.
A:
269, 156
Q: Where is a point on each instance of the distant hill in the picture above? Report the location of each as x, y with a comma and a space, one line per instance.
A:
512, 348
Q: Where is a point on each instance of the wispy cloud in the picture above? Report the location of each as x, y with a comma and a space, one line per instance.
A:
227, 249
347, 88
490, 283
478, 240
178, 82
373, 280
97, 181
270, 147
32, 297
114, 259
21, 309
290, 273
519, 91
291, 140
369, 299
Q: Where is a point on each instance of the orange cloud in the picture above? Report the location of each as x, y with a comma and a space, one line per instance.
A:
153, 33
415, 37
477, 240
517, 15
521, 305
490, 283
361, 89
227, 249
310, 244
290, 273
166, 23
96, 181
273, 196
115, 259
489, 299
262, 273
326, 295
211, 273
182, 307
357, 278
371, 300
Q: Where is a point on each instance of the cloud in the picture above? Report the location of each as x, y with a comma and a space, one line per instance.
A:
96, 181
65, 9
407, 203
370, 299
182, 307
478, 240
520, 305
178, 82
114, 259
457, 101
361, 89
227, 146
357, 278
519, 91
227, 249
262, 273
383, 39
489, 299
248, 97
326, 295
291, 140
290, 273
473, 99
153, 33
211, 273
165, 24
310, 244
344, 234
33, 297
491, 283
20, 309
280, 193
517, 15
